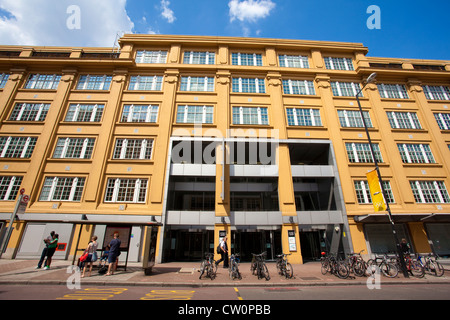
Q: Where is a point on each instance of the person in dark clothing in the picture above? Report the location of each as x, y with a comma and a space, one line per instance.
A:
223, 253
113, 255
44, 251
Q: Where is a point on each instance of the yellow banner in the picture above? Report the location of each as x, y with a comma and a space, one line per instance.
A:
375, 191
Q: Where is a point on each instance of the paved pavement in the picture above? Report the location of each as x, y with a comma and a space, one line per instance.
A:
23, 272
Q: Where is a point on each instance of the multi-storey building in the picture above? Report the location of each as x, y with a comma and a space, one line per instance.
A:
198, 137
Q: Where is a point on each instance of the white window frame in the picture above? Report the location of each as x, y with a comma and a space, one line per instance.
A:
12, 187
436, 189
145, 145
140, 83
365, 191
432, 92
312, 116
68, 142
190, 56
293, 61
78, 107
105, 84
30, 142
335, 63
443, 120
26, 108
356, 116
306, 84
415, 153
240, 85
51, 183
361, 153
151, 111
184, 111
46, 83
144, 56
386, 89
208, 84
339, 86
395, 116
116, 189
259, 115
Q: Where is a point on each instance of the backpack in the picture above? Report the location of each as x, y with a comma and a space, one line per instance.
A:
218, 249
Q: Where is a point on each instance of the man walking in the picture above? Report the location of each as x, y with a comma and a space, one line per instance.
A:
223, 253
114, 253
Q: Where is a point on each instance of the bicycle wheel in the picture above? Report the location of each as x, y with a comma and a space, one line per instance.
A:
265, 271
439, 269
417, 269
371, 267
211, 271
388, 269
325, 267
342, 270
359, 268
289, 272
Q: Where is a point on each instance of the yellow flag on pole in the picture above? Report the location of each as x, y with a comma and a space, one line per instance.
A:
375, 191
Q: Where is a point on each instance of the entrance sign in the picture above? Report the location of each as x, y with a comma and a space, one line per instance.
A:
291, 238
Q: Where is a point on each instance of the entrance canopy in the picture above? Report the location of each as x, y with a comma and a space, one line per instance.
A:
402, 218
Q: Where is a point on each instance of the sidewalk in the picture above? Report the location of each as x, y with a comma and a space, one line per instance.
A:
185, 274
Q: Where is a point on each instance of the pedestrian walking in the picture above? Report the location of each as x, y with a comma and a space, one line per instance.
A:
92, 256
51, 250
113, 256
44, 251
223, 253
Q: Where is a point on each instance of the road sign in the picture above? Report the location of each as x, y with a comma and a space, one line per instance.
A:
25, 198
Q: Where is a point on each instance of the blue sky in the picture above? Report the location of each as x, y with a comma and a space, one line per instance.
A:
408, 29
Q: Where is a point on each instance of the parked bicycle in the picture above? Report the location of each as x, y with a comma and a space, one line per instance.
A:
208, 267
413, 266
331, 264
356, 264
258, 266
431, 265
284, 267
233, 268
387, 267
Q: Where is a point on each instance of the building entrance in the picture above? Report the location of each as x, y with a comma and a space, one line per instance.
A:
188, 245
311, 245
246, 242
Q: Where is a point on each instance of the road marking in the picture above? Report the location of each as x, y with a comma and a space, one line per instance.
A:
238, 294
169, 295
93, 294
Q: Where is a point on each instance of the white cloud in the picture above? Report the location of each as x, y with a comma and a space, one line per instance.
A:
249, 10
167, 12
50, 23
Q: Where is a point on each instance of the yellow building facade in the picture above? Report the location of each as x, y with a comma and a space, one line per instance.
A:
194, 138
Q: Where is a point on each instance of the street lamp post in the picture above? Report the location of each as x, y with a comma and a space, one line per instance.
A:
371, 79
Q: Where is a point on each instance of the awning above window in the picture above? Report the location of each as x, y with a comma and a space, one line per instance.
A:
402, 218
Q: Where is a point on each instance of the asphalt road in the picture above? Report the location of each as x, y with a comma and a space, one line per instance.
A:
352, 292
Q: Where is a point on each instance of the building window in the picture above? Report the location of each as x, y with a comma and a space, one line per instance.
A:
134, 149
84, 113
17, 147
429, 191
394, 91
298, 87
363, 192
62, 189
151, 57
94, 82
248, 85
205, 84
246, 59
338, 63
293, 61
353, 119
140, 113
345, 89
360, 152
250, 115
9, 187
147, 83
415, 153
3, 79
43, 81
195, 114
74, 148
196, 57
437, 92
126, 190
443, 120
303, 117
29, 112
403, 120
